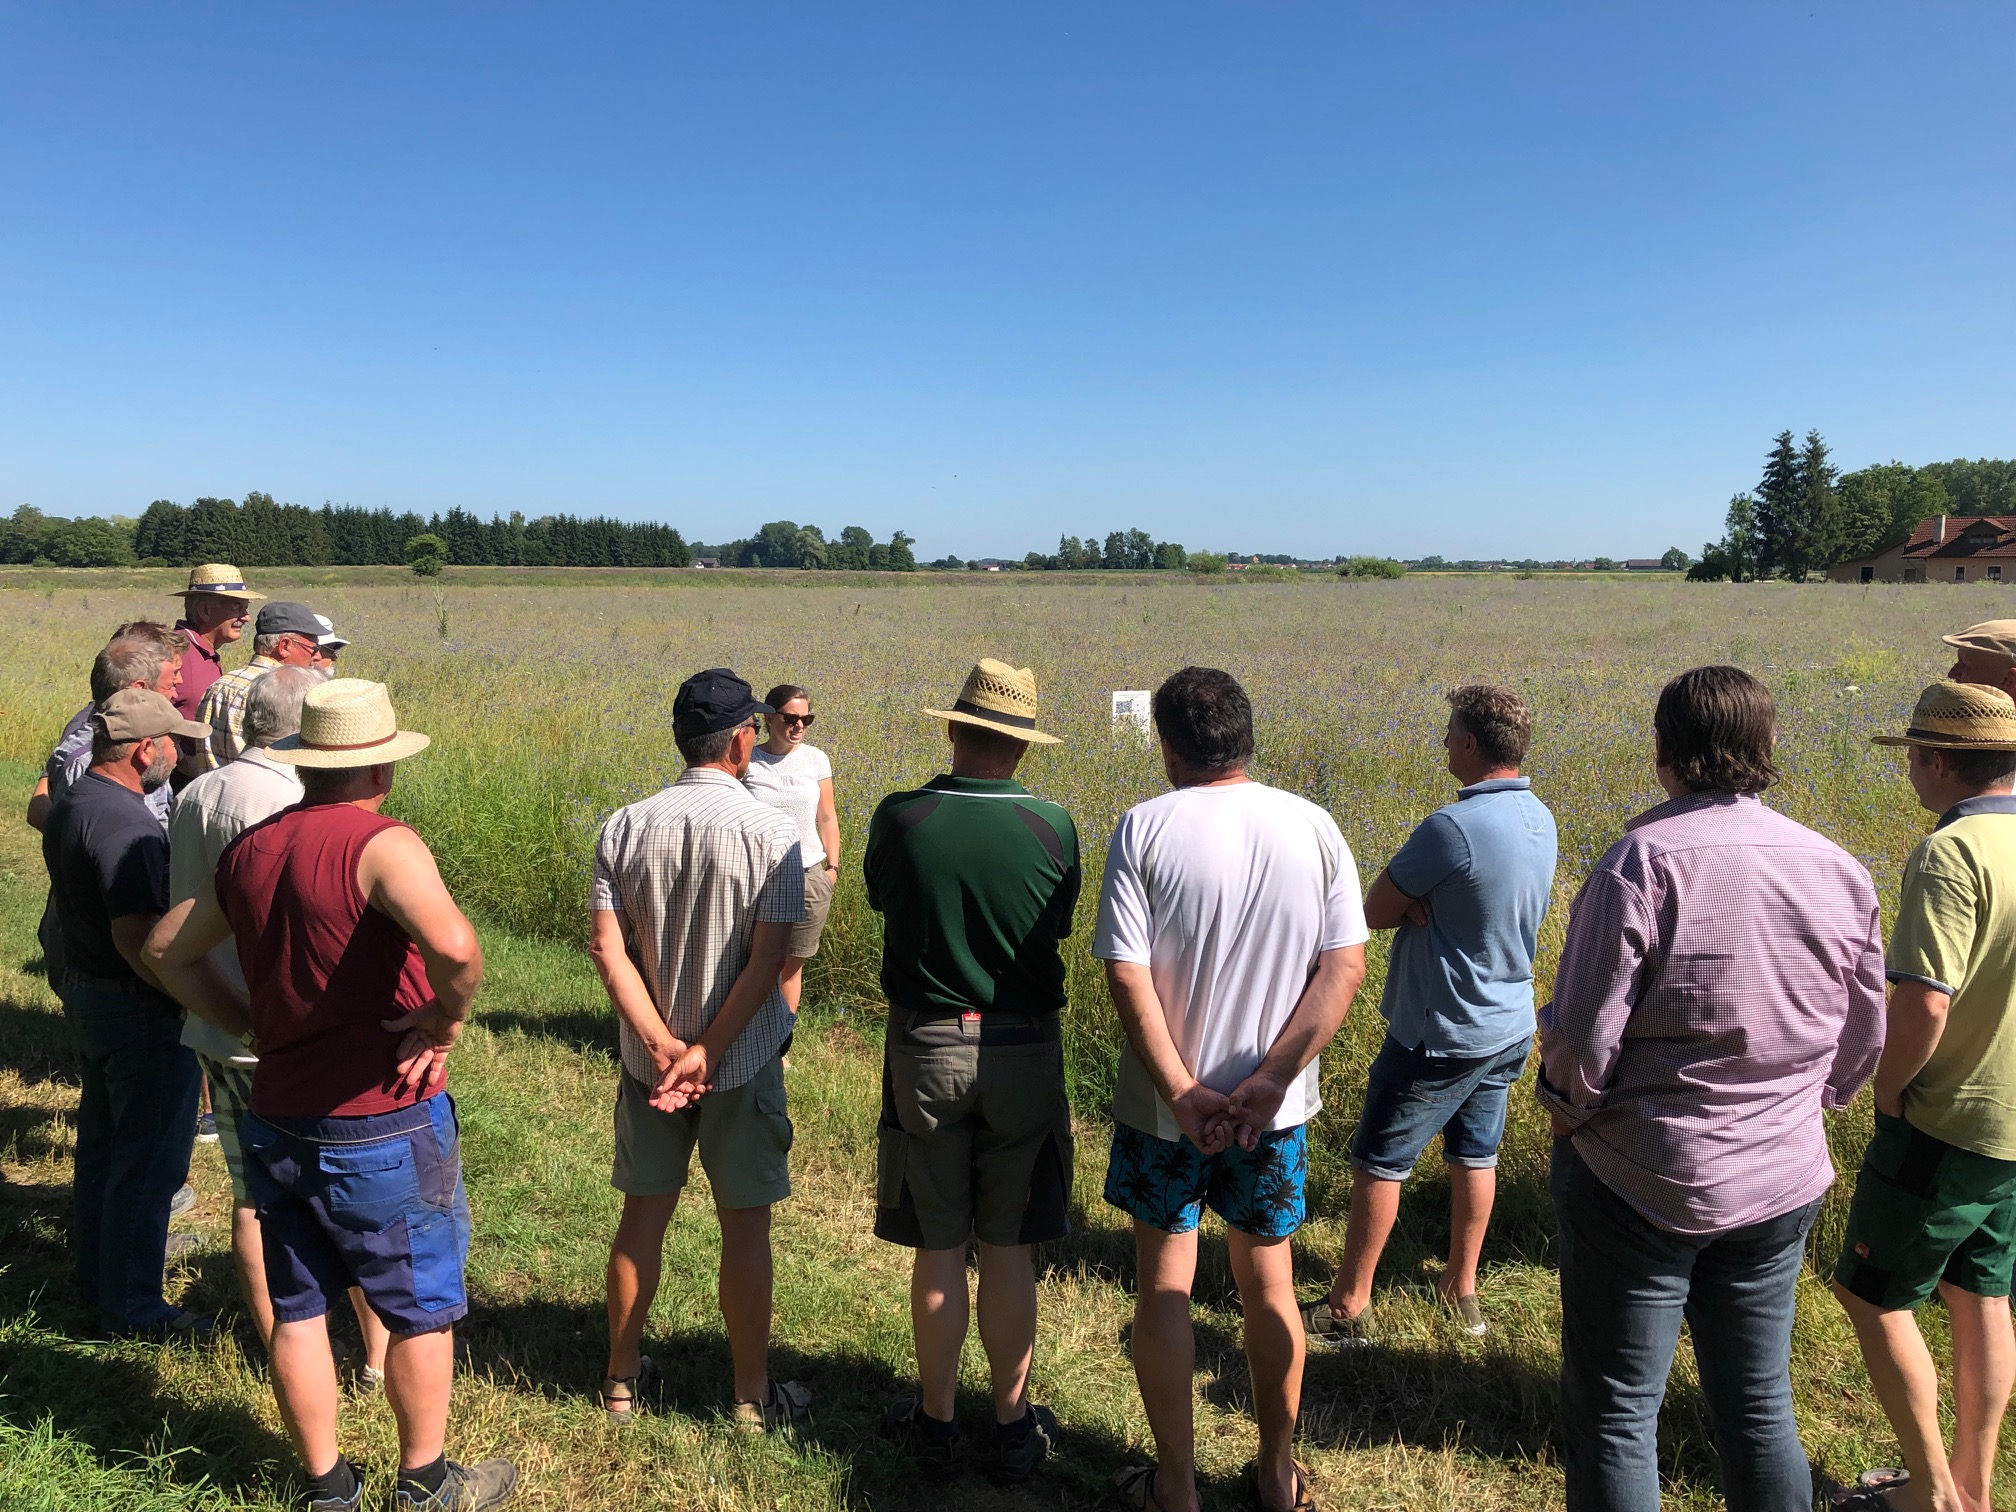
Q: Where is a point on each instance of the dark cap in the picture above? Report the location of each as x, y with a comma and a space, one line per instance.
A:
282, 618
712, 701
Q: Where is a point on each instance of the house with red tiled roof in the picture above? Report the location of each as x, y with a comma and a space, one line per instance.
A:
1942, 549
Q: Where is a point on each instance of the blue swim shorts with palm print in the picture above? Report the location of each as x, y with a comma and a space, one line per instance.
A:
1167, 1183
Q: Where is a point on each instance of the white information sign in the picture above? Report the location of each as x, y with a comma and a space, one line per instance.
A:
1134, 710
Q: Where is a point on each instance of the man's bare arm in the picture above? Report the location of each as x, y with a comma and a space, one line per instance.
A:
1913, 1027
396, 872
1318, 1015
177, 954
628, 994
1386, 907
695, 1068
39, 804
1199, 1110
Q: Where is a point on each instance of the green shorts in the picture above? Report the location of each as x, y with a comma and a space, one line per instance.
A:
1925, 1211
744, 1135
975, 1135
230, 1100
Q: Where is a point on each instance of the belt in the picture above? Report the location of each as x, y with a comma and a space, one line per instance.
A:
918, 1031
131, 984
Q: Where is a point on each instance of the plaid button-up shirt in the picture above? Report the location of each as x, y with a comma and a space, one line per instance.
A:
693, 870
223, 709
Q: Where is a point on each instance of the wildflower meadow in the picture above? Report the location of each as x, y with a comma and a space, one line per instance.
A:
548, 697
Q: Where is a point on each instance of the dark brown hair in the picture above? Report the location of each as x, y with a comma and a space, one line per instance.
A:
783, 693
1497, 717
1204, 716
985, 744
1715, 728
1978, 769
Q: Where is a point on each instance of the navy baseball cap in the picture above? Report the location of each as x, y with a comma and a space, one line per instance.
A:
715, 700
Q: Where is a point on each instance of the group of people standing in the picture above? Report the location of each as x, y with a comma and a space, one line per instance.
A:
1721, 986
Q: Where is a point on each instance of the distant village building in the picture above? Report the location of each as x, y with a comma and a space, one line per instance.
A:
1941, 549
1644, 564
706, 561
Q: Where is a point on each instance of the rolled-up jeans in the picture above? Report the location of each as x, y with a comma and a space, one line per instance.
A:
136, 1125
1626, 1284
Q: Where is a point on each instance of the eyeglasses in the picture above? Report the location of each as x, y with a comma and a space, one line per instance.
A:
797, 719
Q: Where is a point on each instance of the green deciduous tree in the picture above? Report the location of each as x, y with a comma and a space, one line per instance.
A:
424, 555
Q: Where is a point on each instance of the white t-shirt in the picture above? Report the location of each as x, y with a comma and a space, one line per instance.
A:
790, 784
1228, 895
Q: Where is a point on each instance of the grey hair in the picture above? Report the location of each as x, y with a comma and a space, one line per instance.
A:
273, 707
704, 750
267, 645
134, 656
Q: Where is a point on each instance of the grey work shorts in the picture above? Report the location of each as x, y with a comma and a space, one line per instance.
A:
743, 1133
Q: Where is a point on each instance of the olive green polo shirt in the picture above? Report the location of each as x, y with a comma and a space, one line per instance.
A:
1956, 933
976, 881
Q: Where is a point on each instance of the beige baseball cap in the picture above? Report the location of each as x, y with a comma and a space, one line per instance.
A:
1996, 637
142, 714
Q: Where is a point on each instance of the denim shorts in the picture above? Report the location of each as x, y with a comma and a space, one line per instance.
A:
374, 1202
1411, 1096
1167, 1183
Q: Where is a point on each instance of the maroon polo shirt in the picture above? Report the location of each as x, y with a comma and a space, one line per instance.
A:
201, 667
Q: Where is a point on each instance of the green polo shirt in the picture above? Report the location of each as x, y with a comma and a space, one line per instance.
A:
976, 882
1956, 932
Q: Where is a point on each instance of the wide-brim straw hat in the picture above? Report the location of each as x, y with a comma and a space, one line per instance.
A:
1001, 698
220, 578
347, 722
1955, 716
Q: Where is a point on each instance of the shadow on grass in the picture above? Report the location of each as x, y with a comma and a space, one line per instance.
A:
557, 1349
35, 1043
579, 1031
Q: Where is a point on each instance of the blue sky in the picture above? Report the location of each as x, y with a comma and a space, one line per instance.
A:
1471, 279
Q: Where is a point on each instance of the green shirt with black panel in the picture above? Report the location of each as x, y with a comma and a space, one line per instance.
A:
977, 881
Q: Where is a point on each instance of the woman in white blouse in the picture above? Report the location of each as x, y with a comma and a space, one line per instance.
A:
793, 776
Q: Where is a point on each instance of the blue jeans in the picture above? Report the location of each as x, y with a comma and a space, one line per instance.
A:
1625, 1286
1411, 1096
136, 1124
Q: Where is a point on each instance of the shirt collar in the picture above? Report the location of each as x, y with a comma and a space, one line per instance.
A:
1495, 785
693, 775
196, 642
1985, 803
256, 756
945, 782
1690, 803
264, 661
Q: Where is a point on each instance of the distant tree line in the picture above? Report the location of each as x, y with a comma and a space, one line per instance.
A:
1804, 516
29, 536
783, 543
1123, 551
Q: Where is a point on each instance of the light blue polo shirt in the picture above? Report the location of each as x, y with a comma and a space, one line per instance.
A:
1462, 984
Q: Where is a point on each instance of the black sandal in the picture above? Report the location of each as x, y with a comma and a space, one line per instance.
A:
1870, 1493
1134, 1489
627, 1407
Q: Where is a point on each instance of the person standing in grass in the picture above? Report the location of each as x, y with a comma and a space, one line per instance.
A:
1234, 936
1985, 654
140, 654
283, 635
136, 1118
1720, 987
215, 609
976, 881
1467, 893
696, 893
1935, 1201
360, 972
209, 814
794, 777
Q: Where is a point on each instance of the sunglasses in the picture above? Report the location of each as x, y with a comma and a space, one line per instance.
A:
797, 719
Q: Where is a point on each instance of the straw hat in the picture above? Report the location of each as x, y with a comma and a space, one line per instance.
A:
347, 722
1995, 637
220, 578
1953, 716
1001, 698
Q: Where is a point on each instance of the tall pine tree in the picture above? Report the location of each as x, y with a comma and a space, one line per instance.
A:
1781, 495
1821, 528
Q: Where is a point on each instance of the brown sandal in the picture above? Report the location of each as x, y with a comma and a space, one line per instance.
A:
785, 1405
1134, 1489
1303, 1502
627, 1407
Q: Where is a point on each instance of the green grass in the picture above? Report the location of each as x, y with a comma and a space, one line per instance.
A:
548, 705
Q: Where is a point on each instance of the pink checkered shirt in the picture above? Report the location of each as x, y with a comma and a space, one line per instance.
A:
1721, 986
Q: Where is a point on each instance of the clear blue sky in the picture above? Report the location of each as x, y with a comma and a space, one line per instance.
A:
1492, 278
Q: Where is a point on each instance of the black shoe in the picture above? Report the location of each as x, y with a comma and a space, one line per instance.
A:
350, 1503
468, 1488
1016, 1449
177, 1325
932, 1444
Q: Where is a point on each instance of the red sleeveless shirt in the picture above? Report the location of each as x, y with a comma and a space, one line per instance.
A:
322, 966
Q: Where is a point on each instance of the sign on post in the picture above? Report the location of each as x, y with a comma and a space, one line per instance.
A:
1133, 711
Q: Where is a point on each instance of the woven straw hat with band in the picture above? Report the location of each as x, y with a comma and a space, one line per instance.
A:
1953, 716
220, 578
347, 722
1001, 698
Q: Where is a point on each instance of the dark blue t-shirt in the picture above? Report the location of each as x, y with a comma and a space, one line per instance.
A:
1462, 984
108, 858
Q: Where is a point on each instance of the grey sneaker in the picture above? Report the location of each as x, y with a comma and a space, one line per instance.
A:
183, 1200
350, 1503
370, 1379
468, 1488
1470, 1317
179, 1248
1325, 1327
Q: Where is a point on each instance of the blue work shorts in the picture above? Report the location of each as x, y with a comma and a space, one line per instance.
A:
1167, 1183
1411, 1096
374, 1202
